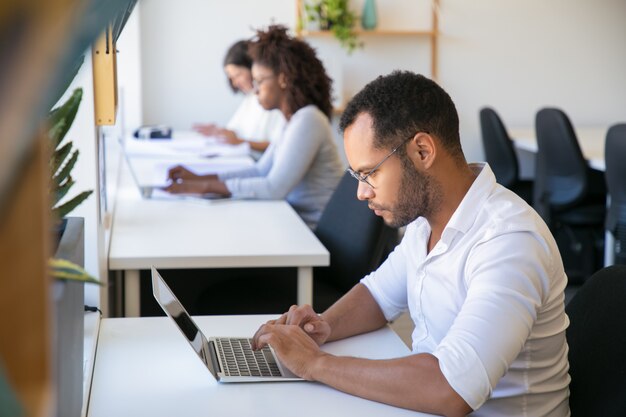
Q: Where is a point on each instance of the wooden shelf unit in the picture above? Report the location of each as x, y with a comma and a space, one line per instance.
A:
432, 33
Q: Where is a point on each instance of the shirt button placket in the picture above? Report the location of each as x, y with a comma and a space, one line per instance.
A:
419, 317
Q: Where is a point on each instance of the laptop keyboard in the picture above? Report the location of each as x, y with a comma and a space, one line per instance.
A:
238, 358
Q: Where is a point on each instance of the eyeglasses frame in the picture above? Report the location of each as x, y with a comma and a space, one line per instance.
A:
363, 178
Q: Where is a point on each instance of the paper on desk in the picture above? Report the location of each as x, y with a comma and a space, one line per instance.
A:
211, 166
153, 172
183, 147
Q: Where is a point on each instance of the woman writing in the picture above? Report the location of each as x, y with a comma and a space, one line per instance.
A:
251, 123
303, 166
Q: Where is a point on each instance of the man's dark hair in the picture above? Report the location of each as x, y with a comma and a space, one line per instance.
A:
237, 55
402, 104
307, 81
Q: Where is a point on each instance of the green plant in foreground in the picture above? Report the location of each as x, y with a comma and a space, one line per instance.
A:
62, 162
63, 159
64, 269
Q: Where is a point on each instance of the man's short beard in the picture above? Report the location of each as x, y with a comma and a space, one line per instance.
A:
418, 196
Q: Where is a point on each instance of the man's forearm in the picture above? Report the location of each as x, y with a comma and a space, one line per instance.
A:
414, 382
355, 313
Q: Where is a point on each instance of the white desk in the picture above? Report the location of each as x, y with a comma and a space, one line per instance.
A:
208, 234
144, 367
92, 329
591, 142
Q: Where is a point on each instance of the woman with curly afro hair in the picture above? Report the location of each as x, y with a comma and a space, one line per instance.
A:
303, 166
250, 123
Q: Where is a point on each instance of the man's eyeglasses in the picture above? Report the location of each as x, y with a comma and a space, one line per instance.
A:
363, 178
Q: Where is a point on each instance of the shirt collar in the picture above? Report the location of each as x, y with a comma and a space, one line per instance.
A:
466, 213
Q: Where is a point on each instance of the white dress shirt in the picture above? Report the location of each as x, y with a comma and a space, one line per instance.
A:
303, 167
252, 122
487, 301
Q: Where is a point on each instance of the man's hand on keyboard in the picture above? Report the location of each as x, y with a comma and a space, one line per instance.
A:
307, 319
292, 346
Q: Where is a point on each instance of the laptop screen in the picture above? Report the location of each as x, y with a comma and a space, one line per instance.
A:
173, 308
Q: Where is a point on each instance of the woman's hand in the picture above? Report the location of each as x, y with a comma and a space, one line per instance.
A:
187, 187
183, 181
228, 136
206, 129
179, 173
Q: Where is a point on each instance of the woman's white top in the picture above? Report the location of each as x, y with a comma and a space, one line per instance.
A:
252, 122
303, 167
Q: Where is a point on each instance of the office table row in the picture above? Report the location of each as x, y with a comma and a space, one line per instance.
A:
180, 233
144, 367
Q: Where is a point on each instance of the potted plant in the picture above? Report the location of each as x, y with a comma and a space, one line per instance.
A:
66, 265
335, 16
63, 159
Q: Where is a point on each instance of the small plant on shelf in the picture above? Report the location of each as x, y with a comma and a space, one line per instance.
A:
334, 16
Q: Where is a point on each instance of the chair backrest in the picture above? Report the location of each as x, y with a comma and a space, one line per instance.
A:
597, 345
615, 174
499, 150
356, 238
561, 172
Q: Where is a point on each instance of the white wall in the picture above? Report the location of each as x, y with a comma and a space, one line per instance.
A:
83, 135
183, 45
519, 56
516, 55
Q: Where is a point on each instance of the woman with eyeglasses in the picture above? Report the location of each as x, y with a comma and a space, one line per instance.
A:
303, 166
250, 123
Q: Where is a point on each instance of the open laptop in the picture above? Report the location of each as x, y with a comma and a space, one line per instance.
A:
150, 177
229, 359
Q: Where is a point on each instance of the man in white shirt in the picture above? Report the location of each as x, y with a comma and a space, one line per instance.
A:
477, 269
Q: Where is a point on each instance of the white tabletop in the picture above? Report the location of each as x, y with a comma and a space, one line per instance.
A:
92, 330
210, 234
591, 142
144, 367
197, 233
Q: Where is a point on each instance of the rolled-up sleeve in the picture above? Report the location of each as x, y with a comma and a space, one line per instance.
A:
506, 282
388, 283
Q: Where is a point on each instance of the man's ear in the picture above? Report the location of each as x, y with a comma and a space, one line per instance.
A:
422, 150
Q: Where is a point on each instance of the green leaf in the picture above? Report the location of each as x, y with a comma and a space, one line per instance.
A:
62, 189
67, 207
59, 156
336, 16
67, 111
67, 168
55, 133
64, 269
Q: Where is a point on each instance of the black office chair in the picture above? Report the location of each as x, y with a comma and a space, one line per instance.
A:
357, 239
358, 242
597, 344
501, 155
615, 155
569, 195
